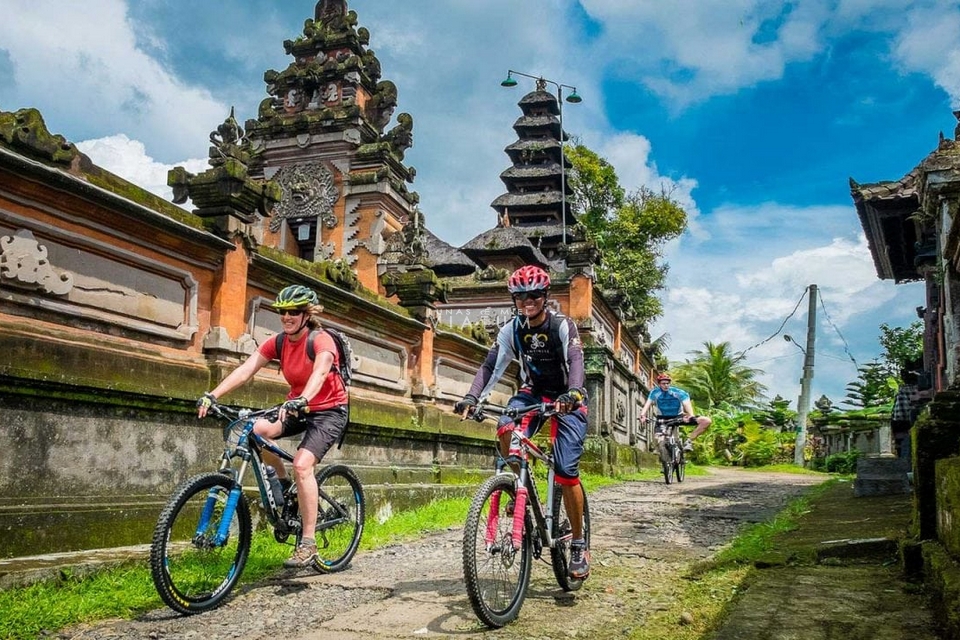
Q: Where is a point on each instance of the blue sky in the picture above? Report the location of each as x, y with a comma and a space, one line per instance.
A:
754, 114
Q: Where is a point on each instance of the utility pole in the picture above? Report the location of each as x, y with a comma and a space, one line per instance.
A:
807, 379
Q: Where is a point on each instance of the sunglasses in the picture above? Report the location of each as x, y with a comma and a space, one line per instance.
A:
294, 313
530, 295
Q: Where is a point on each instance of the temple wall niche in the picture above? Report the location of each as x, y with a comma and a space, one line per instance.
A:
97, 282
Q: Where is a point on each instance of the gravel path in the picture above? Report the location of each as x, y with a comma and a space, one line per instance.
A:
642, 533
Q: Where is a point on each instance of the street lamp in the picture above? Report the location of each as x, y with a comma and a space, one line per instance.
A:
573, 98
789, 338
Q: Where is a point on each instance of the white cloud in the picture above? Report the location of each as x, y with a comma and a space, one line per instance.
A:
79, 64
687, 52
928, 43
745, 284
128, 158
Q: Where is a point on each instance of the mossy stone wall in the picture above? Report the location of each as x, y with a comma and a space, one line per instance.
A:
934, 438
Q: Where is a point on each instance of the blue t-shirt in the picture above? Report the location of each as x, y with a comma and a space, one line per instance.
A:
669, 402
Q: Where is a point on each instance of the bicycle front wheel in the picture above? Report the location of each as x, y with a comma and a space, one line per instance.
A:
563, 535
679, 468
667, 471
496, 573
340, 514
198, 551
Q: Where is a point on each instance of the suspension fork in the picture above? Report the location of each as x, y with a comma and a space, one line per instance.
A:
548, 514
520, 505
229, 508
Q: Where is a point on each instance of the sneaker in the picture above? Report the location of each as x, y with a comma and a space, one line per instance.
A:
303, 555
688, 445
579, 560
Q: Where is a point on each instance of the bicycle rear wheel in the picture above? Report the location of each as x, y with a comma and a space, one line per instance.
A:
193, 564
563, 536
496, 574
340, 513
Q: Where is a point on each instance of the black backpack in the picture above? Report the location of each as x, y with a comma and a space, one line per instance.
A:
344, 351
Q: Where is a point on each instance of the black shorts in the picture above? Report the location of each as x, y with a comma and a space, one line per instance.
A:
320, 429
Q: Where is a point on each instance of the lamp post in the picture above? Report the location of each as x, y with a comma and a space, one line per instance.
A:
806, 380
573, 98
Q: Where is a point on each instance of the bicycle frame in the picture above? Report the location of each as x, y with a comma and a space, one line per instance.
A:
248, 448
521, 449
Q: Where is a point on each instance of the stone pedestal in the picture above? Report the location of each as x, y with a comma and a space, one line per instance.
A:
881, 475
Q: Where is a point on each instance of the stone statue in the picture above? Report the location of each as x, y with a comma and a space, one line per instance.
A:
400, 138
382, 104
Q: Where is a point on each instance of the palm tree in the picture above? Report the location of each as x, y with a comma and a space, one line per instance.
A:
715, 375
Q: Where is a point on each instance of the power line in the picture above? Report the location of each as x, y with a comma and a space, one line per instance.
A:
779, 329
846, 347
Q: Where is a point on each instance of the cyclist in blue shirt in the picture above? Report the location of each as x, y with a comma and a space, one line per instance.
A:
672, 402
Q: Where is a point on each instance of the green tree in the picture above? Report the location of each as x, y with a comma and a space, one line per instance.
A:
630, 229
902, 346
872, 387
777, 415
716, 375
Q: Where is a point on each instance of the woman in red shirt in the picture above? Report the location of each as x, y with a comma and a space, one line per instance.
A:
316, 405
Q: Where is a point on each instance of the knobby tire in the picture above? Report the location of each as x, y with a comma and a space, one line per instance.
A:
679, 468
561, 533
339, 518
496, 574
667, 463
192, 573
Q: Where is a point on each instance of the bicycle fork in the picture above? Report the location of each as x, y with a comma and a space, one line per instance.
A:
229, 508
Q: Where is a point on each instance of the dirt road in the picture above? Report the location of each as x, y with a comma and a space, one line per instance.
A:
642, 533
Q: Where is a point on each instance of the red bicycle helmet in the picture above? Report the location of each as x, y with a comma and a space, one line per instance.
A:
663, 377
528, 278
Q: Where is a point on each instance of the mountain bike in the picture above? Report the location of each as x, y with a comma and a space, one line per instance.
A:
672, 457
204, 533
507, 527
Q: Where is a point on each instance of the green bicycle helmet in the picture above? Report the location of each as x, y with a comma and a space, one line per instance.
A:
295, 296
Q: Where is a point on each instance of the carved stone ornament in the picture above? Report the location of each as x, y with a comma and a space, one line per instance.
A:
24, 261
308, 192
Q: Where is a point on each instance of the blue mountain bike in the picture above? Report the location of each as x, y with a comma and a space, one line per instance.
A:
203, 536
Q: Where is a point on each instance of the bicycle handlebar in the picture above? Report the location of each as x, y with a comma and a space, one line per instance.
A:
546, 409
242, 413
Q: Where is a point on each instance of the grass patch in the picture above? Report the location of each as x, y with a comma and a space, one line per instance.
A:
706, 597
787, 468
42, 608
708, 588
436, 515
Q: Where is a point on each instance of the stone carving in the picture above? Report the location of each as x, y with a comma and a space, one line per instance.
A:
400, 138
308, 192
26, 131
382, 104
227, 140
24, 260
407, 246
330, 10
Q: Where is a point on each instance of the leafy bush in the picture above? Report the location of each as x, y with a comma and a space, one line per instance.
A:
844, 462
